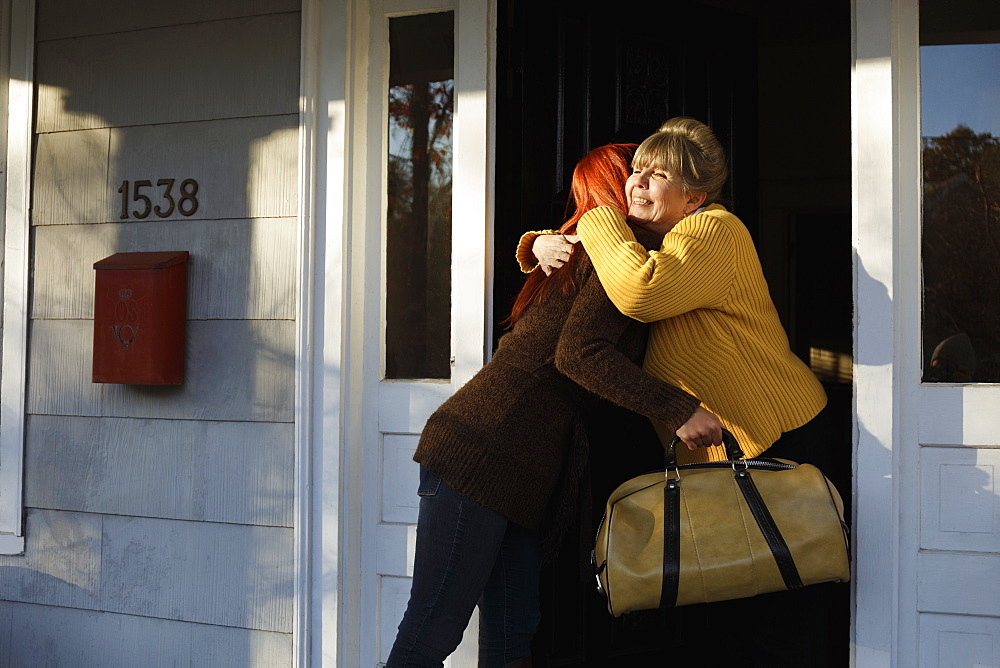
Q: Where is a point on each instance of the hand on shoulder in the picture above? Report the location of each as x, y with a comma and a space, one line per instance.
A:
553, 250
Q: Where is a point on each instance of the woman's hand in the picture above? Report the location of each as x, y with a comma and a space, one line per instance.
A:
701, 430
553, 250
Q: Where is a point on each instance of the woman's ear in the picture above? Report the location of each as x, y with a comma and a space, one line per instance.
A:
695, 200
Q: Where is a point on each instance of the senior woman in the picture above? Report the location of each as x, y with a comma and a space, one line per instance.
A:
715, 334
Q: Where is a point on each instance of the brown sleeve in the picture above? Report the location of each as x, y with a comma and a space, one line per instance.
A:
586, 353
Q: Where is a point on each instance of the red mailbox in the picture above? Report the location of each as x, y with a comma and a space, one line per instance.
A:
140, 304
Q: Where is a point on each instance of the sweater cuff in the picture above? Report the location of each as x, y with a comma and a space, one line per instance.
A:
525, 258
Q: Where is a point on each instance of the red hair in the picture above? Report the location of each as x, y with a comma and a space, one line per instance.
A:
598, 180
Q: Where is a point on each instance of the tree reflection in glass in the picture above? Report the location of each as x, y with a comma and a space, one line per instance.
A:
418, 229
960, 119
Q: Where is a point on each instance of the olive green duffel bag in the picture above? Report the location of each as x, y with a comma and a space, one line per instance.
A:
698, 533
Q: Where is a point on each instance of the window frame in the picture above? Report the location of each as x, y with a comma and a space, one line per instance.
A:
17, 27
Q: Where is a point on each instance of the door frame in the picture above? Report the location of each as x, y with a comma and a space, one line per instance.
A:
884, 81
321, 518
331, 336
886, 200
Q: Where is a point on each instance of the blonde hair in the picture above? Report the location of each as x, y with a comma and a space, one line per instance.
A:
689, 150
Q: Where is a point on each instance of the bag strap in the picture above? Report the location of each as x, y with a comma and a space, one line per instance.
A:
775, 541
672, 523
671, 543
733, 449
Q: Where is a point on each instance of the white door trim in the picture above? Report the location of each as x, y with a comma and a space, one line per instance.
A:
18, 21
885, 176
321, 521
907, 328
945, 582
399, 408
874, 526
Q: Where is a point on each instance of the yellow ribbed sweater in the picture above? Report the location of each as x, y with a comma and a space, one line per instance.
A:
716, 333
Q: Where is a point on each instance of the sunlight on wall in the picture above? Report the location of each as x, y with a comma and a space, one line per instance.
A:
271, 188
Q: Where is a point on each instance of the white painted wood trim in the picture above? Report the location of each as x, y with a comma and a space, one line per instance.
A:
358, 336
4, 86
472, 212
907, 325
958, 415
369, 205
322, 521
472, 208
875, 516
304, 359
15, 280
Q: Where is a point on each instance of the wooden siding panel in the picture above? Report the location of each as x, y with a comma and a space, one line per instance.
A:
38, 635
239, 269
236, 370
389, 559
238, 472
400, 478
959, 502
58, 19
61, 563
6, 640
225, 574
394, 594
959, 640
958, 583
245, 167
958, 415
70, 178
220, 69
60, 355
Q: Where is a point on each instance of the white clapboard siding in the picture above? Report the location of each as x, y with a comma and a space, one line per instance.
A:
245, 168
225, 574
238, 269
235, 370
38, 635
70, 177
58, 19
220, 69
61, 564
236, 472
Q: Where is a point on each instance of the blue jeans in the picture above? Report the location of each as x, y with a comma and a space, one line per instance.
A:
467, 555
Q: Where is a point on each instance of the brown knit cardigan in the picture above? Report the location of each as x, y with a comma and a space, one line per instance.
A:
504, 438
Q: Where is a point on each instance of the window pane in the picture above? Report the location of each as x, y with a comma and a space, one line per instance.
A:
418, 243
960, 126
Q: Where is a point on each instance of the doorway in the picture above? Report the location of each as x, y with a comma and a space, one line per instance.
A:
774, 83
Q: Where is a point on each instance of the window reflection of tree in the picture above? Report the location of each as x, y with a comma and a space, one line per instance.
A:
418, 243
961, 257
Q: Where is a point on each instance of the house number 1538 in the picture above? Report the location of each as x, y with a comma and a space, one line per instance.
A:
184, 201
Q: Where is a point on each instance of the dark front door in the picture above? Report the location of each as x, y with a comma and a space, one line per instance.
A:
572, 79
773, 82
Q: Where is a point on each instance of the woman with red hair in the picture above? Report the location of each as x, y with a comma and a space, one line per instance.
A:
502, 459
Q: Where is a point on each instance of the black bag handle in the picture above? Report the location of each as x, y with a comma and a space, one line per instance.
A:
733, 449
